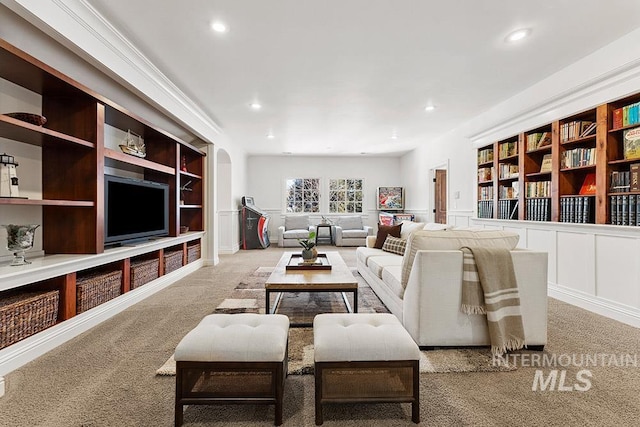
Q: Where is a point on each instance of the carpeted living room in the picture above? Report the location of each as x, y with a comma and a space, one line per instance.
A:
354, 213
107, 376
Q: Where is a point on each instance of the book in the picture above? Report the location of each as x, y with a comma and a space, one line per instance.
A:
545, 139
631, 142
617, 118
546, 163
590, 129
634, 177
588, 185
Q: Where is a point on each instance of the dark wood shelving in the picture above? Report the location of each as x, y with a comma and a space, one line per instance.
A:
486, 164
137, 161
623, 161
190, 206
538, 174
190, 175
578, 168
45, 202
28, 133
575, 141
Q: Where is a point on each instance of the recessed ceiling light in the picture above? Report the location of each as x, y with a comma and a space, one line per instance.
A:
518, 35
255, 106
219, 27
270, 135
429, 108
394, 136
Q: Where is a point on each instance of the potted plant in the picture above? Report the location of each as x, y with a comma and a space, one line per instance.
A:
309, 251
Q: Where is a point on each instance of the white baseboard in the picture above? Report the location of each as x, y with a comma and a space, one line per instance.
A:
612, 310
25, 351
229, 250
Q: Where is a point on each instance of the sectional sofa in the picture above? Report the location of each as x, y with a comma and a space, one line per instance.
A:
422, 287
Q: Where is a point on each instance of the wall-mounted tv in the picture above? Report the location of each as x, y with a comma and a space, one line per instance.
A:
134, 209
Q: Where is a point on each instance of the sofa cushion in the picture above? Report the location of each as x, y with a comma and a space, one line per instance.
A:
409, 227
378, 263
434, 226
363, 254
296, 222
453, 240
350, 222
296, 234
384, 231
391, 276
394, 245
350, 234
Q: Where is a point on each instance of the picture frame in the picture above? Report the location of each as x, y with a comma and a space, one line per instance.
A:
390, 198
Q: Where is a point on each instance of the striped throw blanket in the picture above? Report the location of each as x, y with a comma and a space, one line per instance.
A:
489, 287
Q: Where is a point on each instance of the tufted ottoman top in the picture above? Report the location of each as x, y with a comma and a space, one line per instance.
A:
361, 337
246, 337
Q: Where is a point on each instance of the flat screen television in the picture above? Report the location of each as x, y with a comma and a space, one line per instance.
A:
134, 209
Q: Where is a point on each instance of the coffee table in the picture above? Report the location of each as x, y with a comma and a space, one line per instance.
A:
338, 279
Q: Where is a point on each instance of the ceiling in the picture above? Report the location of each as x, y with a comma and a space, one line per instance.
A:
343, 77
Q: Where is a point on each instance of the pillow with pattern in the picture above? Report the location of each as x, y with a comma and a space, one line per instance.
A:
394, 245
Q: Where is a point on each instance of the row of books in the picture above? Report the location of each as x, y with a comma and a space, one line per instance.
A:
538, 189
485, 209
507, 149
485, 156
620, 181
538, 209
508, 209
626, 116
578, 157
624, 210
485, 174
509, 191
576, 129
486, 193
538, 140
577, 209
506, 170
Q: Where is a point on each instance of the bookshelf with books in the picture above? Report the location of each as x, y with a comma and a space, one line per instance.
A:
486, 174
537, 167
508, 169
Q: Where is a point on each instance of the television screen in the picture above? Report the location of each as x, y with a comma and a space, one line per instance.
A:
135, 209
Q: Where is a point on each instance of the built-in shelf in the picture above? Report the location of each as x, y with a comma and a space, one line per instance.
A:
191, 175
28, 133
39, 202
137, 161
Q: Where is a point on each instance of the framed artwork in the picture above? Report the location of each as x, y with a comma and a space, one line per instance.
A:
390, 198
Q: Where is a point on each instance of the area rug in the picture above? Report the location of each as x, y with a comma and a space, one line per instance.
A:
249, 297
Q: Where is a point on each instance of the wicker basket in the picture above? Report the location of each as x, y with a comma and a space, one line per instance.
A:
172, 261
22, 315
143, 272
97, 288
193, 252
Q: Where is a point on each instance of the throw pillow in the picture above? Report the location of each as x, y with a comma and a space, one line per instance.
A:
296, 222
394, 245
384, 231
409, 227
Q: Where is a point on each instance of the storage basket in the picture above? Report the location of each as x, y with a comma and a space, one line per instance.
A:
193, 252
96, 288
25, 314
172, 261
143, 271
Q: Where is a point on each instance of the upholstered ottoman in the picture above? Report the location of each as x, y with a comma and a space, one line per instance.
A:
233, 358
365, 358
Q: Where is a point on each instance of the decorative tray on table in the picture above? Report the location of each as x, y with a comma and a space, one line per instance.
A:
297, 263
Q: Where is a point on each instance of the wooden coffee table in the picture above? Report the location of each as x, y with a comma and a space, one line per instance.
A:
338, 279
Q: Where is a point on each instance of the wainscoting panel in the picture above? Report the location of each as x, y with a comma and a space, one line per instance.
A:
576, 263
228, 232
617, 277
544, 240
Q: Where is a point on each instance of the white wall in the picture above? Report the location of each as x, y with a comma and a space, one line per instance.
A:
266, 177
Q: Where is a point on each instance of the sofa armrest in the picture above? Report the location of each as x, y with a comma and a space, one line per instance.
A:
369, 230
281, 236
337, 235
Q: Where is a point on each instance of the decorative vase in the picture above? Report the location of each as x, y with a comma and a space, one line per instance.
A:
309, 255
19, 240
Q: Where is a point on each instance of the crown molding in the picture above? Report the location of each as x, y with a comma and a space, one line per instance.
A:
83, 29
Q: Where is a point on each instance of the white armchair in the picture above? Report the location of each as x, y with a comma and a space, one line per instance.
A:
349, 231
295, 227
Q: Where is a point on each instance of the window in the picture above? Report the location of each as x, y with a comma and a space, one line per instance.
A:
303, 195
345, 195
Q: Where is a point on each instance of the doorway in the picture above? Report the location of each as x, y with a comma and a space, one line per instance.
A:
440, 196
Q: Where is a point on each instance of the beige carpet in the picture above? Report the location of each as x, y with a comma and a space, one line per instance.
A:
248, 297
106, 376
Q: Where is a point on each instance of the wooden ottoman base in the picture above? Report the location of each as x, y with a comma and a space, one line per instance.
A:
210, 383
395, 381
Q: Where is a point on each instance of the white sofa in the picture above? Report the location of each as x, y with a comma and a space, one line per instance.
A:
350, 231
427, 301
295, 227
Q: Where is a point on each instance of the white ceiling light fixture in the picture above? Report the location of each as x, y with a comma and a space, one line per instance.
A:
430, 107
255, 106
270, 135
219, 27
518, 35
